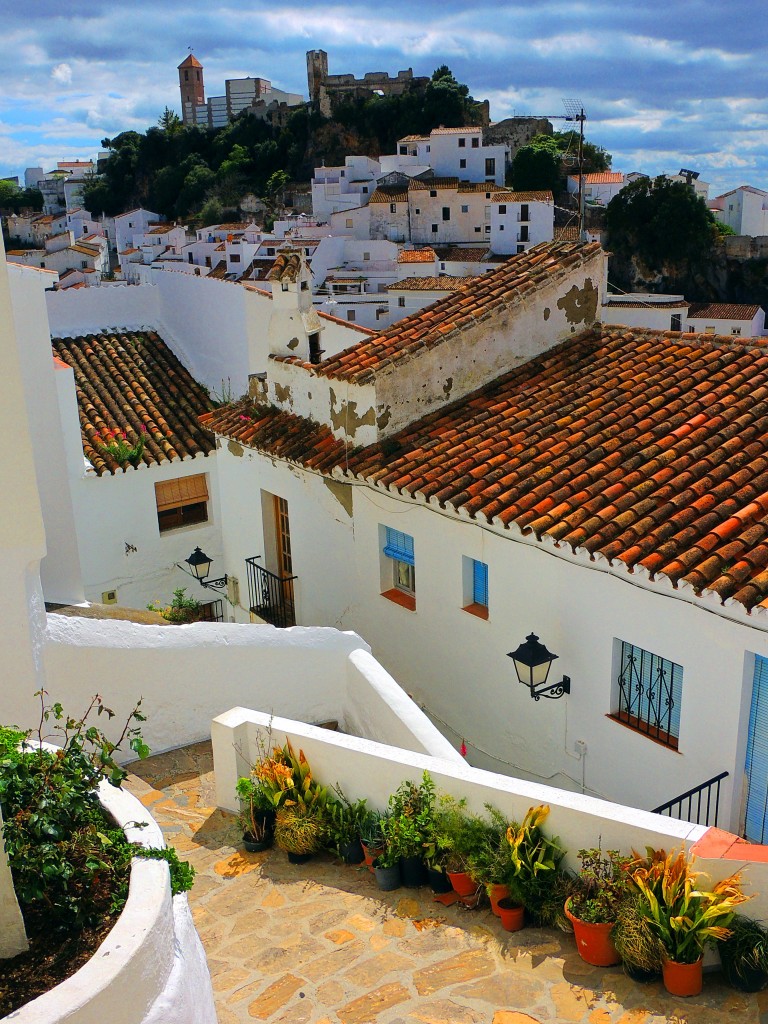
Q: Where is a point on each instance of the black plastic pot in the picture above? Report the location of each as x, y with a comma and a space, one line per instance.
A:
413, 872
439, 882
387, 879
257, 845
746, 979
353, 854
639, 974
299, 858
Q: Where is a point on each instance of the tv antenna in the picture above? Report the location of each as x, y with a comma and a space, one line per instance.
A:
574, 111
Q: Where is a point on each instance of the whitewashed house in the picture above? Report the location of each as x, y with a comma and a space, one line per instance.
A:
449, 153
739, 320
520, 220
660, 312
600, 187
745, 209
495, 465
335, 189
130, 223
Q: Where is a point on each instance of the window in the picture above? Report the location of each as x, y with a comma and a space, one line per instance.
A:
501, 227
401, 300
465, 209
736, 330
521, 248
502, 208
675, 321
709, 330
462, 143
490, 165
446, 213
365, 190
341, 174
304, 285
234, 258
315, 352
433, 194
647, 692
349, 222
523, 237
366, 255
181, 502
475, 587
462, 164
351, 315
417, 211
442, 266
524, 211
393, 207
475, 143
399, 567
434, 229
271, 251
478, 230
403, 151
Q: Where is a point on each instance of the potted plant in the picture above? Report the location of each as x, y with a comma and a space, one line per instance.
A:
343, 823
684, 917
533, 871
408, 827
371, 838
490, 864
257, 816
300, 801
635, 941
299, 830
744, 955
593, 906
453, 838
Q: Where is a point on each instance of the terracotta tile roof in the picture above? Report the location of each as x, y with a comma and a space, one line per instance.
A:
190, 62
601, 178
416, 256
285, 268
455, 254
523, 197
160, 229
419, 184
414, 138
569, 233
219, 272
487, 187
390, 195
647, 448
132, 379
442, 283
630, 303
456, 131
722, 311
515, 277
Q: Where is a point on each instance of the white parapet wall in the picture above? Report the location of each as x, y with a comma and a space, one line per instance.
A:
366, 769
151, 968
187, 675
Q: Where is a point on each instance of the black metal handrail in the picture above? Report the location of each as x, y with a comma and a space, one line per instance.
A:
703, 796
270, 596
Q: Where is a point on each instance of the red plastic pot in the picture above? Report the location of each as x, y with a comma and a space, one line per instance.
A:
497, 892
682, 979
593, 941
512, 914
462, 883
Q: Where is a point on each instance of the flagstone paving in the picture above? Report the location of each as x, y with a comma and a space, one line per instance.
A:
320, 944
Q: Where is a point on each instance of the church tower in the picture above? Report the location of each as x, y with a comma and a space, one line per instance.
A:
191, 87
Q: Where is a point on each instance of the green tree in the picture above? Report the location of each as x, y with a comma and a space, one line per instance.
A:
662, 223
170, 122
595, 158
537, 165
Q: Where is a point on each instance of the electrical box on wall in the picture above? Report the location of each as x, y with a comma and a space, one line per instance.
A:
109, 597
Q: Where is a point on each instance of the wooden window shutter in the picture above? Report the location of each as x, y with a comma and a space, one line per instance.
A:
187, 490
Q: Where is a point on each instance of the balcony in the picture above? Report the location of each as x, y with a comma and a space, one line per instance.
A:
270, 596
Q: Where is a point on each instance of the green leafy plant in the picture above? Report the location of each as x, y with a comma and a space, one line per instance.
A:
454, 836
253, 803
286, 778
299, 828
119, 446
535, 859
683, 916
635, 941
602, 884
371, 829
409, 821
490, 863
745, 951
181, 609
344, 821
68, 861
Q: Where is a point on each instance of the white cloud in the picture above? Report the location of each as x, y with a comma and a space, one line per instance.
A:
62, 73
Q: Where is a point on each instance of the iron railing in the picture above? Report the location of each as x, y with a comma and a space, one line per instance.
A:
700, 805
270, 596
649, 690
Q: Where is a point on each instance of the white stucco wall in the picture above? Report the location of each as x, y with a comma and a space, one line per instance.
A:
650, 315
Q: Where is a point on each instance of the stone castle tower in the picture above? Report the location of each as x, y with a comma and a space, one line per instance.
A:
317, 72
191, 87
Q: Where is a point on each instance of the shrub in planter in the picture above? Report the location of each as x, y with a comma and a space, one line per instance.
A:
257, 816
534, 865
299, 831
744, 955
408, 827
453, 838
344, 820
635, 941
490, 863
371, 837
593, 906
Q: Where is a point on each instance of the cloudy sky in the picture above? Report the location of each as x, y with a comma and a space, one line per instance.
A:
665, 83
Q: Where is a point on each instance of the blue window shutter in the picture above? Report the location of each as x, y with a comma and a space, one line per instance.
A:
756, 765
399, 546
480, 583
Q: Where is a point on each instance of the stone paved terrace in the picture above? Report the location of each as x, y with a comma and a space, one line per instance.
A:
320, 944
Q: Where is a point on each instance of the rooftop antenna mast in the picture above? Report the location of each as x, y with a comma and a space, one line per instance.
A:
574, 111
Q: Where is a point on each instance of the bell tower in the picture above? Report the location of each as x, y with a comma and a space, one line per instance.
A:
191, 87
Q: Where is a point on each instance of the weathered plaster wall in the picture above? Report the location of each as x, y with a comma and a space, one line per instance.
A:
347, 408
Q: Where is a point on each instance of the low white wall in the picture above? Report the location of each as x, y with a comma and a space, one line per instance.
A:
151, 955
370, 770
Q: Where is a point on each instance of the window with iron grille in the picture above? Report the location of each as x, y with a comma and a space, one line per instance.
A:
648, 692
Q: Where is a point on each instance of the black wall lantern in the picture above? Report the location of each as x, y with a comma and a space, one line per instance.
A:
532, 664
200, 568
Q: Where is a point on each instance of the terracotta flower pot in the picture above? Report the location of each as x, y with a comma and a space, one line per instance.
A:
370, 853
682, 979
496, 893
593, 941
462, 883
512, 914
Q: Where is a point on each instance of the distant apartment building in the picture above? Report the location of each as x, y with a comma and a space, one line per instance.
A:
62, 188
664, 312
745, 209
256, 95
449, 152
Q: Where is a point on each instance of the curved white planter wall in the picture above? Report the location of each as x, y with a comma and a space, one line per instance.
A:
151, 968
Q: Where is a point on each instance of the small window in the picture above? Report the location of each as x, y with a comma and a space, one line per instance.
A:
349, 222
434, 229
675, 321
315, 352
393, 207
462, 143
475, 587
271, 252
647, 693
305, 286
465, 209
524, 215
442, 266
234, 258
524, 233
478, 230
181, 502
366, 255
487, 195
433, 194
403, 151
736, 330
475, 143
521, 248
417, 211
709, 330
428, 148
446, 213
341, 174
462, 164
502, 208
401, 300
365, 190
351, 315
501, 227
399, 568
